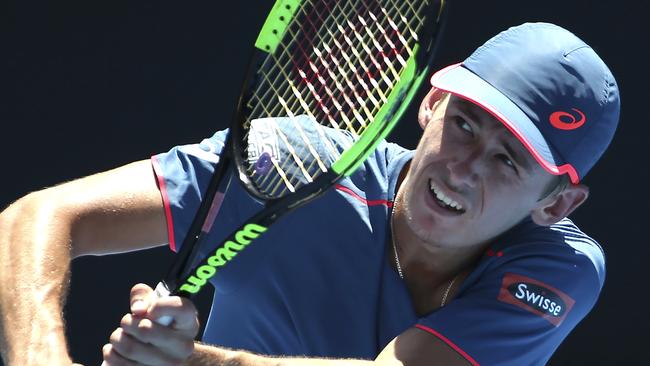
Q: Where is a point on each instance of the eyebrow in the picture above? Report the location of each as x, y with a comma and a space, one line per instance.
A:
470, 109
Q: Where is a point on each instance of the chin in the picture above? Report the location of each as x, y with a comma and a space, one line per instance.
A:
427, 228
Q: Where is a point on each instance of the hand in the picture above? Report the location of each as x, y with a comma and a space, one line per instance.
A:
140, 340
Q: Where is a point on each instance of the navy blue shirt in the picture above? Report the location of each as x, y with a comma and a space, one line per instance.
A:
318, 282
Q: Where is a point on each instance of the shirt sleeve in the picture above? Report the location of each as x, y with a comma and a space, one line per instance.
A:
183, 174
521, 304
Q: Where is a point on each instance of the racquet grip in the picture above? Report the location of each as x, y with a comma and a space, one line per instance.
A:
160, 291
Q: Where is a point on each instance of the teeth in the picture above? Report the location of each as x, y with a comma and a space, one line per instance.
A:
441, 196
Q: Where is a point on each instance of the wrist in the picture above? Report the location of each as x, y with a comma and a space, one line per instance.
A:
206, 355
215, 356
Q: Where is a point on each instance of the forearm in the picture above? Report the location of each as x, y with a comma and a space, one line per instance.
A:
34, 277
206, 355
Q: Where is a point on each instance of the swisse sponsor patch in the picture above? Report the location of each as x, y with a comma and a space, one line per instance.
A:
536, 297
539, 298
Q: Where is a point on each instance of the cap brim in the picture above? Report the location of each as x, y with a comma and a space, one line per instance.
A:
460, 81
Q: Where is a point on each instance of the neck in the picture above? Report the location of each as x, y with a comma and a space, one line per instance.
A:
426, 265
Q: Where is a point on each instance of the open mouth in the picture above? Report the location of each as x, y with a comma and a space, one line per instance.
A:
443, 201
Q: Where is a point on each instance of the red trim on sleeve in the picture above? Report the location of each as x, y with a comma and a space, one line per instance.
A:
367, 202
449, 343
168, 210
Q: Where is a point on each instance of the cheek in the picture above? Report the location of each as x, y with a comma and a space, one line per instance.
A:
427, 151
507, 206
431, 136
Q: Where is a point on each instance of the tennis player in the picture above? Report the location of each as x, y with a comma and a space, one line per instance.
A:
457, 253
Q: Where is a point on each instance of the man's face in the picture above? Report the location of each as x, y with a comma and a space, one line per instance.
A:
470, 179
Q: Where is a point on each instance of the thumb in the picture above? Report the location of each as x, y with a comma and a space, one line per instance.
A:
141, 299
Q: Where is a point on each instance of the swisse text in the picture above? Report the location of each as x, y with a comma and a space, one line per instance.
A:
222, 256
538, 297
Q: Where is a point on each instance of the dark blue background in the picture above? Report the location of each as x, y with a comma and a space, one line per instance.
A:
90, 85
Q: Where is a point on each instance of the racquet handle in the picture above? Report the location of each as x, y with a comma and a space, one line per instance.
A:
160, 291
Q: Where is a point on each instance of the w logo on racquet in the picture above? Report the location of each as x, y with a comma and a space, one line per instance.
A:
221, 256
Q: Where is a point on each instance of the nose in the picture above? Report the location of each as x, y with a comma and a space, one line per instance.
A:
465, 168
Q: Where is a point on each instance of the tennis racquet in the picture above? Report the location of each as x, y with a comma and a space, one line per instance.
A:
327, 82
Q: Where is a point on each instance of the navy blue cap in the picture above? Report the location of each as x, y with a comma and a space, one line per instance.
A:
549, 88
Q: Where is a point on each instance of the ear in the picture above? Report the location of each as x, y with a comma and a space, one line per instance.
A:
428, 106
557, 206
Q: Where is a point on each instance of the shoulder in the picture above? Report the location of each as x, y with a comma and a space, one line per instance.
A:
389, 157
531, 264
373, 183
532, 286
580, 244
562, 242
382, 168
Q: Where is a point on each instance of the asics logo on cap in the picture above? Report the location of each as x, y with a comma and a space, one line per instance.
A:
567, 121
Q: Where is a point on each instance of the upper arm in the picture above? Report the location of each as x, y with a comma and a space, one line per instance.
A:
114, 211
417, 347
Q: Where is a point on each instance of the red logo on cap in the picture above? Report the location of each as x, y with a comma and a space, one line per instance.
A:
567, 121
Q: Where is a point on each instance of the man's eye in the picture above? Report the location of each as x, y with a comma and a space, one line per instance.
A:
506, 160
463, 125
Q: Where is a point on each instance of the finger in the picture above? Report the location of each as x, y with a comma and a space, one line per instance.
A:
141, 297
112, 358
176, 344
136, 352
180, 309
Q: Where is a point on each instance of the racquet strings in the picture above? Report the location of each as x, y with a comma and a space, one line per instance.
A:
337, 63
